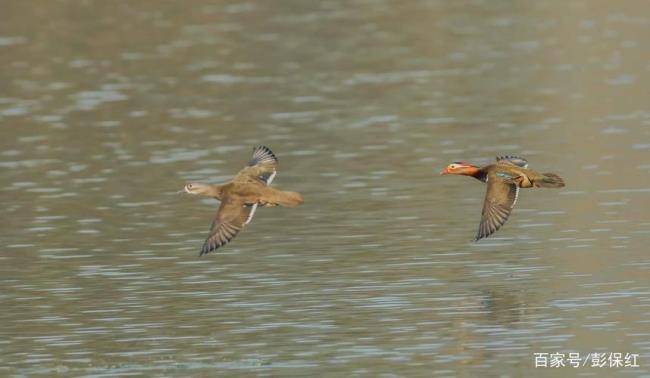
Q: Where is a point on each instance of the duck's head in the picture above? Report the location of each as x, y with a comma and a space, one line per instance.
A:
197, 188
460, 168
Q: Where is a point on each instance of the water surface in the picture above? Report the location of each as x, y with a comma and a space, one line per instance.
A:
107, 109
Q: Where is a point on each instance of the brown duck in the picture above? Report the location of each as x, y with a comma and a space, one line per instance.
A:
504, 178
241, 196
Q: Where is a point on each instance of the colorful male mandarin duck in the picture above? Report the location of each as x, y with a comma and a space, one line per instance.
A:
504, 178
241, 196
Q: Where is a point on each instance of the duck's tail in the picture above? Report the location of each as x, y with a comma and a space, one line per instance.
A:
549, 180
291, 199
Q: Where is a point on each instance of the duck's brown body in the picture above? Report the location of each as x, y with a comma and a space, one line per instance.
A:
251, 193
241, 196
521, 177
504, 178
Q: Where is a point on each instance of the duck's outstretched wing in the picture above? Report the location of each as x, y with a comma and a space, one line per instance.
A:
513, 160
500, 198
262, 166
263, 155
230, 219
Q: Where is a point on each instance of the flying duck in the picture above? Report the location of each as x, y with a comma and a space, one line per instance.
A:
241, 196
503, 179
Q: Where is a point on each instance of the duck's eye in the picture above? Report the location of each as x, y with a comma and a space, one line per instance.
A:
189, 186
452, 166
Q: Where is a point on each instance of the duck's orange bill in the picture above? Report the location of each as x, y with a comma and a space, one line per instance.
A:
444, 172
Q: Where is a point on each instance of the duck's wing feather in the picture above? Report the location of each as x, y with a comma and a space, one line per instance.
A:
263, 155
262, 166
513, 160
500, 198
230, 219
266, 178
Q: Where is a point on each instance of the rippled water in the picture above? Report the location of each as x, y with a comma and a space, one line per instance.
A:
107, 109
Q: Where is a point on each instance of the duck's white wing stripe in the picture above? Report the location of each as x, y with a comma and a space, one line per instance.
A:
516, 196
268, 182
250, 215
